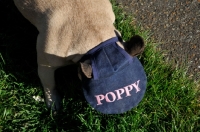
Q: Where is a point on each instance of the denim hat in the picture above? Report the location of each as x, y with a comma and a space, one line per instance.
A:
118, 80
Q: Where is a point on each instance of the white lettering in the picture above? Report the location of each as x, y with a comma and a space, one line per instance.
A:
113, 96
128, 90
99, 98
119, 93
136, 86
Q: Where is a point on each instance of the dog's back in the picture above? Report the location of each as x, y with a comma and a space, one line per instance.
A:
69, 27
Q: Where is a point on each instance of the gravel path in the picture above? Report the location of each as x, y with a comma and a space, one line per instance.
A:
175, 24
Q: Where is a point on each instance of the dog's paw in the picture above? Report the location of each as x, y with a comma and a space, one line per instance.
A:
53, 100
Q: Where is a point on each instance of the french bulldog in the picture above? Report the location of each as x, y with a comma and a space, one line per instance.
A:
68, 29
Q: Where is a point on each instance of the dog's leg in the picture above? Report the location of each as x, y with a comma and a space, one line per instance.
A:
52, 97
46, 73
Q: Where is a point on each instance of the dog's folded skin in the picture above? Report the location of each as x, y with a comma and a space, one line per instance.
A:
67, 30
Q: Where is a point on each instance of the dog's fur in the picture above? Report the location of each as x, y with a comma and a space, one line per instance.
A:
67, 30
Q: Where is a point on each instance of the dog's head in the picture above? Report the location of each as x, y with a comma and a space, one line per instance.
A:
134, 46
114, 80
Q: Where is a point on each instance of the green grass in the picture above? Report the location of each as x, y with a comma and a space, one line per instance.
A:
170, 102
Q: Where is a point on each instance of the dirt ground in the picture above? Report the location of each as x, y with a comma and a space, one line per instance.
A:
175, 25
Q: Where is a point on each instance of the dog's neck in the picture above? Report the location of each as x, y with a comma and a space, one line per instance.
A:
77, 57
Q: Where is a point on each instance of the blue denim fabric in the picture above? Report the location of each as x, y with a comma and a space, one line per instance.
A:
119, 81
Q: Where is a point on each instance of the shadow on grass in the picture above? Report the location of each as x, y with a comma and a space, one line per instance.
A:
17, 44
18, 49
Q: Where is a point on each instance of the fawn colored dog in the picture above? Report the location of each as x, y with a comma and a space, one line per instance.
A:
67, 30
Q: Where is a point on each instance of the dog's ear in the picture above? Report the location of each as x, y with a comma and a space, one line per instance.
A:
135, 45
86, 69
